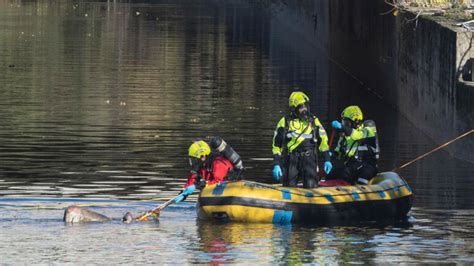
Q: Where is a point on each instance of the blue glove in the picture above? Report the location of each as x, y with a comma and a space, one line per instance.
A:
189, 190
277, 173
184, 194
327, 167
336, 124
179, 198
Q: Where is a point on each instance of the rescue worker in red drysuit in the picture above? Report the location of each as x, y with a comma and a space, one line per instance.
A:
211, 167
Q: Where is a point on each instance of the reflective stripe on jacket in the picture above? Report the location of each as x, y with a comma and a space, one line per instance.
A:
297, 132
360, 144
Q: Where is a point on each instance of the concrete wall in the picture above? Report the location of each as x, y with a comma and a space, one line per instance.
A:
464, 99
299, 35
413, 64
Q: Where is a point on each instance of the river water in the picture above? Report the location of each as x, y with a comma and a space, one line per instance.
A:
100, 100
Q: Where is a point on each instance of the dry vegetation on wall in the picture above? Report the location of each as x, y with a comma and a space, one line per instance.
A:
459, 10
437, 3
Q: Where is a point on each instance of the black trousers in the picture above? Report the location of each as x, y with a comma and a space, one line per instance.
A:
353, 170
301, 166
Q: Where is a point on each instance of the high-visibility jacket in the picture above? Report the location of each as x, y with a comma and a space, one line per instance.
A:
359, 143
213, 171
294, 133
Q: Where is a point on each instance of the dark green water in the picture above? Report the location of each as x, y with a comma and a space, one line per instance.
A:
100, 100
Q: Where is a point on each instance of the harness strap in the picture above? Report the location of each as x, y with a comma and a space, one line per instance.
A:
302, 134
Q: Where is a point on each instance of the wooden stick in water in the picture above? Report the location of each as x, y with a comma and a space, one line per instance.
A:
128, 218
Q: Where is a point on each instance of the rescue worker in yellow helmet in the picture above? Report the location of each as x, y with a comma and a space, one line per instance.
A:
211, 166
357, 147
297, 135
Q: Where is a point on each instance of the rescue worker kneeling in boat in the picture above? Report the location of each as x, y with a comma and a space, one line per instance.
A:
297, 134
211, 166
357, 149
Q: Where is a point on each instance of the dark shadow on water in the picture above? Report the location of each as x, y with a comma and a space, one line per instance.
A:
404, 223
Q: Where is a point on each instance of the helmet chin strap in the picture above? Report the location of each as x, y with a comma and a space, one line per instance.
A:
302, 115
195, 164
349, 123
305, 114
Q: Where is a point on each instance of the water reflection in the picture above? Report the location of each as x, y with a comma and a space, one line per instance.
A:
178, 238
100, 100
295, 244
97, 88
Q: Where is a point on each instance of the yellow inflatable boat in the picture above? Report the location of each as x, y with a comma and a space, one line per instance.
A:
387, 197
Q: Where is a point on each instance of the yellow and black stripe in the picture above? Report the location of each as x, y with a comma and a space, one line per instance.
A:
387, 196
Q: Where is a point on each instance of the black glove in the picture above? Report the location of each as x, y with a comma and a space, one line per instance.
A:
200, 184
184, 196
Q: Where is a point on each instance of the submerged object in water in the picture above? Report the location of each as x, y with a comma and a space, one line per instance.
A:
128, 218
75, 214
386, 197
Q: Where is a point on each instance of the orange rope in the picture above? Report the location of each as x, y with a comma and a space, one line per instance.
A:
430, 152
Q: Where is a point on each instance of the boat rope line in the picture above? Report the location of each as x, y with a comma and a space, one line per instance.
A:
345, 70
310, 194
272, 204
435, 149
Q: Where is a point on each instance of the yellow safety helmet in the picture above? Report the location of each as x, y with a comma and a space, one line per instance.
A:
353, 113
297, 98
199, 149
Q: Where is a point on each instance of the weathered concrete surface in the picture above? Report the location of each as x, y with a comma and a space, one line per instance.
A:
464, 98
437, 3
301, 31
414, 64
